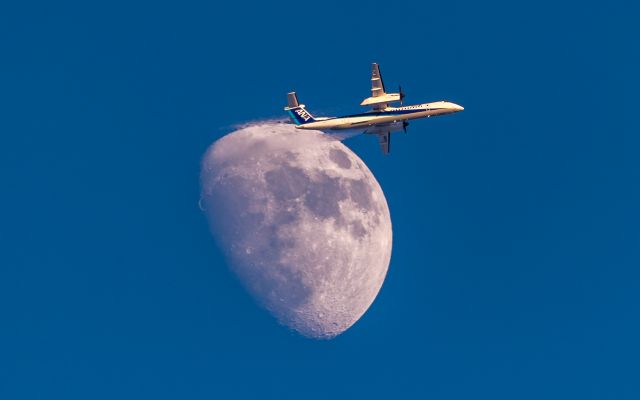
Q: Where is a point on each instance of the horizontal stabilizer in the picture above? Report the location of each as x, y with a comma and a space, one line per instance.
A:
292, 100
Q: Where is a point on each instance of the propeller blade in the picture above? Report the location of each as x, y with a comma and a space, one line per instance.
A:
404, 126
401, 95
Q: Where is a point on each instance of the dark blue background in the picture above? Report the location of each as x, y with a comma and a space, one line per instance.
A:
516, 222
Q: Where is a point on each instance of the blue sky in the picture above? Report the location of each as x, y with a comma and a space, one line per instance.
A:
516, 222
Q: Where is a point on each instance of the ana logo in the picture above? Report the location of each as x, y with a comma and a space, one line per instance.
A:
303, 114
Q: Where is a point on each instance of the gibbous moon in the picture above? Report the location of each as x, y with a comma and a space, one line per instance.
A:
303, 222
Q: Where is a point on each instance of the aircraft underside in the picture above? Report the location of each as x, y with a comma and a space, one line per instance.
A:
382, 120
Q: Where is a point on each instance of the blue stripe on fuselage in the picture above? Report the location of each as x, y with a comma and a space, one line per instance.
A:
391, 112
293, 117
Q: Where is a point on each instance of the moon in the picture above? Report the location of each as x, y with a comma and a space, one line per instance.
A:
303, 222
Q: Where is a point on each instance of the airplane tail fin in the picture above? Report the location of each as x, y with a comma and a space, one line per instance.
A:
297, 112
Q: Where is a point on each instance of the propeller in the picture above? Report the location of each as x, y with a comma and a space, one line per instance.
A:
404, 126
401, 95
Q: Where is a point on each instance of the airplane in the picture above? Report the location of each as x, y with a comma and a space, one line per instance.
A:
381, 120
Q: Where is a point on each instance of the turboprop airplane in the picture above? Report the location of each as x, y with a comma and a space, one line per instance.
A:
381, 120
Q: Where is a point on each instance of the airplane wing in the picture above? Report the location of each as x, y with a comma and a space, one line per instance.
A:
385, 142
383, 132
379, 99
377, 86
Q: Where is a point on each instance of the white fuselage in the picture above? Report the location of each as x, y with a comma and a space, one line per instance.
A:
388, 115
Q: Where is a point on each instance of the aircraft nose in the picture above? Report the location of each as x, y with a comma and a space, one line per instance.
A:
456, 107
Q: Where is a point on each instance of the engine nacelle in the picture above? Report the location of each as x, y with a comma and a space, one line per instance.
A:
385, 98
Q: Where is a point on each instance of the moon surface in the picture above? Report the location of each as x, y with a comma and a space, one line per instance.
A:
303, 222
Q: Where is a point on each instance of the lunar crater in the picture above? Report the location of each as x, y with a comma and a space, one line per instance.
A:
340, 158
